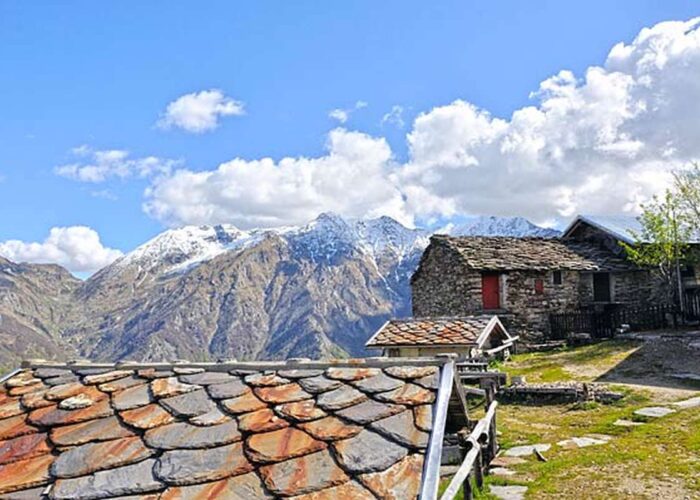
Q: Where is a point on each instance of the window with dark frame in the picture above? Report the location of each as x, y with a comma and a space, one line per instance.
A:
539, 286
556, 277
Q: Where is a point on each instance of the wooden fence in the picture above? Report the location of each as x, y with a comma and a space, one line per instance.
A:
481, 448
604, 324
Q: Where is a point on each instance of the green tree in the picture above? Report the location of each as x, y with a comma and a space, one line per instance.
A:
662, 243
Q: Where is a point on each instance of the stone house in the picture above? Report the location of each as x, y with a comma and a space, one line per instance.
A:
468, 337
359, 428
524, 280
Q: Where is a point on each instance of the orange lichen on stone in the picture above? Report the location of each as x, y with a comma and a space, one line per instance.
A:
281, 445
330, 429
285, 393
25, 473
23, 447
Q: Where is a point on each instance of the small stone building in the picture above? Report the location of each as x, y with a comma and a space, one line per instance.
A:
524, 280
356, 429
468, 337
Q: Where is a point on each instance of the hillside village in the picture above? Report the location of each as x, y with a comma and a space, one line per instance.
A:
502, 328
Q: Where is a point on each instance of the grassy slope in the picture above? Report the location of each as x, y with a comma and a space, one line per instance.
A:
658, 459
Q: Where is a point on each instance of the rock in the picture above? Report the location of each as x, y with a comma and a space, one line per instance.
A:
208, 378
265, 380
582, 442
349, 374
317, 385
242, 486
398, 480
501, 471
52, 415
508, 492
101, 378
15, 426
377, 383
401, 428
369, 411
626, 423
330, 429
281, 445
213, 417
340, 398
654, 411
352, 490
303, 475
688, 403
423, 415
299, 373
23, 447
133, 479
285, 393
368, 452
11, 408
191, 404
120, 384
170, 386
504, 461
228, 390
101, 429
25, 473
147, 417
410, 372
183, 467
429, 382
263, 420
301, 411
184, 435
523, 451
91, 457
409, 394
76, 402
133, 397
243, 404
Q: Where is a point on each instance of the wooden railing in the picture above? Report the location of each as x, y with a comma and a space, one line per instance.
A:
481, 448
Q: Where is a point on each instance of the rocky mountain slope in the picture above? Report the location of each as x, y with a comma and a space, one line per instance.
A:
211, 292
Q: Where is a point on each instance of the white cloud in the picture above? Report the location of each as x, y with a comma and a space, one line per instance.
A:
77, 248
99, 166
199, 112
352, 178
600, 142
394, 117
343, 115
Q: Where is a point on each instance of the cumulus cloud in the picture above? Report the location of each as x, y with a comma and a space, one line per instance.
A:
98, 166
77, 248
343, 115
199, 112
600, 142
353, 178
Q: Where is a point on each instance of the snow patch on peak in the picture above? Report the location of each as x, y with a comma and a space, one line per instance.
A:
486, 225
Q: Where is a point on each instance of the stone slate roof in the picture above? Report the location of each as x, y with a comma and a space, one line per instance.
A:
307, 430
498, 253
463, 330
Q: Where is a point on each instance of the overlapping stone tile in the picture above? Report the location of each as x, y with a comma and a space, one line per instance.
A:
306, 474
348, 374
110, 376
207, 378
402, 428
76, 402
369, 411
340, 398
27, 389
281, 445
35, 400
213, 417
319, 384
184, 435
147, 417
63, 391
243, 404
352, 490
153, 373
399, 481
429, 381
21, 379
186, 370
170, 386
191, 404
15, 426
101, 429
10, 408
265, 379
377, 383
330, 429
183, 467
23, 447
301, 411
52, 415
285, 393
243, 487
133, 397
92, 457
43, 372
25, 473
261, 421
228, 390
410, 372
68, 378
121, 384
409, 394
423, 417
134, 479
295, 373
368, 452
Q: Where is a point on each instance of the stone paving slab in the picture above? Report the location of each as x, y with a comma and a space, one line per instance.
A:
688, 403
526, 450
654, 411
621, 422
583, 442
508, 492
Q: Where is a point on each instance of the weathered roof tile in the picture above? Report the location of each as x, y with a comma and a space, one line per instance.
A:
35, 400
171, 386
340, 398
347, 374
183, 467
244, 486
191, 404
25, 473
377, 383
281, 445
91, 457
261, 421
402, 428
15, 426
132, 479
120, 384
243, 404
110, 376
409, 394
10, 408
131, 398
368, 452
352, 490
423, 417
299, 373
319, 384
285, 393
301, 411
265, 380
396, 483
410, 372
213, 417
23, 447
147, 417
227, 390
93, 430
207, 378
369, 411
330, 429
306, 474
184, 435
52, 415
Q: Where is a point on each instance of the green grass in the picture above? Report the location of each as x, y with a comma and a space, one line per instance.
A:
660, 459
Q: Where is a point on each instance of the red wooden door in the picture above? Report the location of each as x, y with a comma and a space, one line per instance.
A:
489, 291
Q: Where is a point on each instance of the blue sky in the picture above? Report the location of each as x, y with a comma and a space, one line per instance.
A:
101, 75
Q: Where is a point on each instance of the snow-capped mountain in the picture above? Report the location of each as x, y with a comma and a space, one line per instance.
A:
502, 226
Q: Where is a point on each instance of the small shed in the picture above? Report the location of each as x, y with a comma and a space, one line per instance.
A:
467, 336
